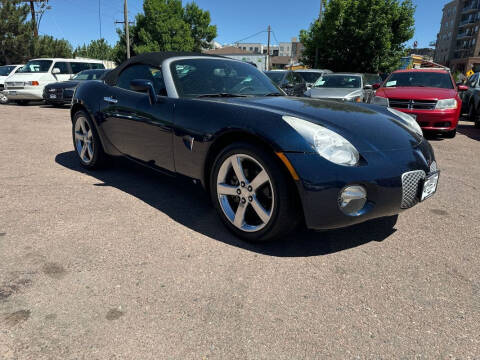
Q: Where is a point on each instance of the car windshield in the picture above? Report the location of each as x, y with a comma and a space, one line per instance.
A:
204, 77
339, 81
309, 76
6, 70
36, 66
89, 75
275, 76
420, 79
371, 79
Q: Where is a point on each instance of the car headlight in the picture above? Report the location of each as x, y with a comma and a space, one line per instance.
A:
407, 120
446, 104
327, 143
379, 100
354, 99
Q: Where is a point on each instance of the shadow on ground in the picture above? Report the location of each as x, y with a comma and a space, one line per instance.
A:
469, 130
189, 205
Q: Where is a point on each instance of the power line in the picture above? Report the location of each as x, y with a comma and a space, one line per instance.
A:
249, 37
275, 37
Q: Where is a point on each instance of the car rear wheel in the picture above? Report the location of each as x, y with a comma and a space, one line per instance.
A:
86, 141
250, 192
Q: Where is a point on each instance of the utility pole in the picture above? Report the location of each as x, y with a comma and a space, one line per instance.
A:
100, 17
268, 48
126, 23
127, 35
320, 15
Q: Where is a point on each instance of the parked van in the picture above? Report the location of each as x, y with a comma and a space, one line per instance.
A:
28, 82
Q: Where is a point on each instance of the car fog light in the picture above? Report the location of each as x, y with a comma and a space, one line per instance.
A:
352, 200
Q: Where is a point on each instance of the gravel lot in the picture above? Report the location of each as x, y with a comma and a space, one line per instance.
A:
124, 263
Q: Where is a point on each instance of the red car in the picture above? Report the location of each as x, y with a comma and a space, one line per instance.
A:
428, 95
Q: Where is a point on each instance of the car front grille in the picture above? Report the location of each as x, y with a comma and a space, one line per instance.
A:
411, 182
413, 104
15, 84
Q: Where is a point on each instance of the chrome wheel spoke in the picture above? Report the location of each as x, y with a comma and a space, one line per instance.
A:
240, 215
84, 150
79, 136
225, 189
263, 214
90, 151
259, 180
237, 168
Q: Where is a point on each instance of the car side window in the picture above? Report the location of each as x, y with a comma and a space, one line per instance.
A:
144, 72
77, 67
63, 66
297, 78
473, 80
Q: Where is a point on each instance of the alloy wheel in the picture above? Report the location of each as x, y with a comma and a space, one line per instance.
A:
84, 140
245, 192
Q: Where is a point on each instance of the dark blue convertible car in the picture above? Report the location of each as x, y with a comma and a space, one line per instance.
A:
268, 161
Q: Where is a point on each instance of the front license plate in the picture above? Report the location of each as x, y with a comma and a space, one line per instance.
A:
12, 92
53, 96
430, 186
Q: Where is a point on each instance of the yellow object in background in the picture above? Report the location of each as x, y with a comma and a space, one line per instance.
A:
469, 73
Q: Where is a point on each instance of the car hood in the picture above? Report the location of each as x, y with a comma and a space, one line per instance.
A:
333, 93
417, 93
63, 84
367, 127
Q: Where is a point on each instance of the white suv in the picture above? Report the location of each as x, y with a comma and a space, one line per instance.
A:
28, 82
5, 72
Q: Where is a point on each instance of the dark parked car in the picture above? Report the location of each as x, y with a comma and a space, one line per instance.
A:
60, 93
268, 161
312, 75
289, 81
471, 99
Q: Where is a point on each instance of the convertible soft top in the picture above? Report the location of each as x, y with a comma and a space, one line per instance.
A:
153, 59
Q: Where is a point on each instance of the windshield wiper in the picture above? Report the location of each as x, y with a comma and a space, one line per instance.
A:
273, 94
220, 95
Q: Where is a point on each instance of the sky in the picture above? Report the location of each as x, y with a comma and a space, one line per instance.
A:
78, 21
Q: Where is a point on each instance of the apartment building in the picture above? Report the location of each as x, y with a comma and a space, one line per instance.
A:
458, 41
258, 48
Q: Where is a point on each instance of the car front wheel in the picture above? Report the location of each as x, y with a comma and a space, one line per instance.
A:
86, 141
251, 194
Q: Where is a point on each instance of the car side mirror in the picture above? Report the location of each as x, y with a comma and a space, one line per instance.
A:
376, 86
145, 86
368, 87
462, 87
56, 71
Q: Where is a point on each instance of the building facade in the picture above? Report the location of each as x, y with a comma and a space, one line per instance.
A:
458, 41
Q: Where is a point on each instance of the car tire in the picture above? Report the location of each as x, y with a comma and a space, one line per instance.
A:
255, 208
450, 134
86, 141
22, 102
3, 99
472, 114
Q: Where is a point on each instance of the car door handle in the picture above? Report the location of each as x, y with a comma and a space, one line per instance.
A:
110, 100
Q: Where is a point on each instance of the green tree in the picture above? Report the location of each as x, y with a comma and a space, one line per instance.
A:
360, 35
15, 32
48, 46
165, 25
97, 49
200, 29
